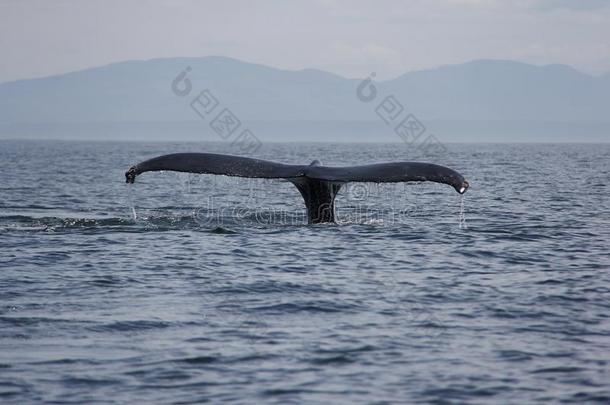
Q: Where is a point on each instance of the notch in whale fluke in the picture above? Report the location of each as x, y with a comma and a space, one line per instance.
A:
317, 184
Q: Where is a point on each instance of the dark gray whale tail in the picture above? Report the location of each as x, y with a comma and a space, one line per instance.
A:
319, 197
317, 184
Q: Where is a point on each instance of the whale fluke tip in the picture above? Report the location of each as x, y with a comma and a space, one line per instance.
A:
463, 187
130, 175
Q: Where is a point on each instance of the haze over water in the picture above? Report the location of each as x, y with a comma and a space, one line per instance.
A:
220, 291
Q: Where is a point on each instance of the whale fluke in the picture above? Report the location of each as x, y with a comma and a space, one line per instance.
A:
317, 184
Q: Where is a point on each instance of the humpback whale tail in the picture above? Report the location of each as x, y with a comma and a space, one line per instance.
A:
317, 184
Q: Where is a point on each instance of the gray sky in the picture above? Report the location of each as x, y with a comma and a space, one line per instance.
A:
351, 38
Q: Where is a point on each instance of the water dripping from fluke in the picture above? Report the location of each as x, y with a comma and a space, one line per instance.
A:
462, 215
132, 207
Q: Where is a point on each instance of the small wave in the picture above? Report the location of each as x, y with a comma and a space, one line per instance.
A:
65, 361
31, 321
564, 369
222, 231
321, 307
88, 382
199, 360
130, 326
333, 360
25, 223
515, 355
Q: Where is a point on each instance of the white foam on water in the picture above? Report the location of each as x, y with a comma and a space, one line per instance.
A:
462, 215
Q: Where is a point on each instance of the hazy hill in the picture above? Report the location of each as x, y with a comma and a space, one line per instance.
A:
504, 90
499, 94
141, 91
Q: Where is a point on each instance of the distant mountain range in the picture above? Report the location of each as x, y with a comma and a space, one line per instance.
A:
491, 95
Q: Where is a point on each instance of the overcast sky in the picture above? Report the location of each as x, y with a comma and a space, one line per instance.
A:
351, 38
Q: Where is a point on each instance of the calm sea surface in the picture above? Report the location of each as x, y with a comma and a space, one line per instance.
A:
218, 291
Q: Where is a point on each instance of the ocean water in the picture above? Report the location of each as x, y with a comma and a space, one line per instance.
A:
194, 288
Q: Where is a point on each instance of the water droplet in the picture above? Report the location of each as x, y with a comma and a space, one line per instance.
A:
132, 207
462, 216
